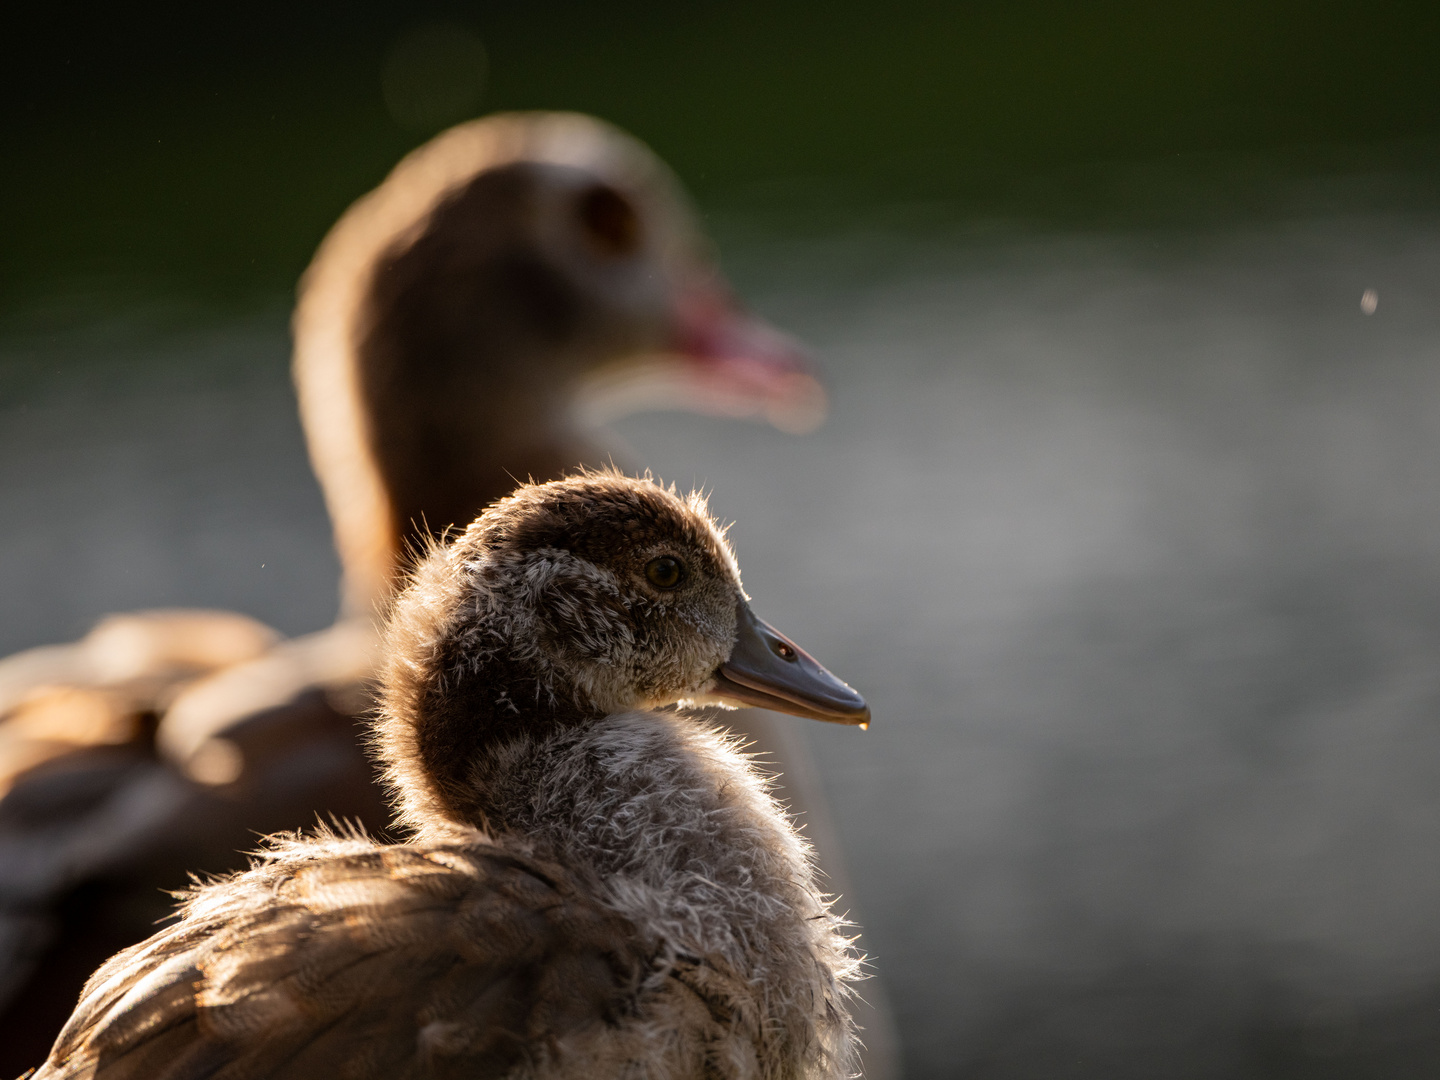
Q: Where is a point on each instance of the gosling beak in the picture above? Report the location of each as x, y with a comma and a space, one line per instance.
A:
769, 670
740, 365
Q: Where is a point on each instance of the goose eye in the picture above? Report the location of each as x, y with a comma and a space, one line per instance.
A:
664, 572
609, 220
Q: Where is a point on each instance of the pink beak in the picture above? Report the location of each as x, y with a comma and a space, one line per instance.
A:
743, 365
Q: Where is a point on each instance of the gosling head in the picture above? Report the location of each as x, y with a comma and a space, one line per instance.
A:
567, 602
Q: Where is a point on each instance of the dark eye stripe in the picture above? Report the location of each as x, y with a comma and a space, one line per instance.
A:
665, 572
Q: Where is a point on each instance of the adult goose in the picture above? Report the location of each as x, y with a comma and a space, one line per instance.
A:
509, 283
595, 885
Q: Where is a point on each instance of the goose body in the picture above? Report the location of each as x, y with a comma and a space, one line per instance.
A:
592, 887
460, 326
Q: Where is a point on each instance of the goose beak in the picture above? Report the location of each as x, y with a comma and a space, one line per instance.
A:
741, 365
768, 670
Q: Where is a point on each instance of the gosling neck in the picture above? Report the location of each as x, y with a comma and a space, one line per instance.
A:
466, 691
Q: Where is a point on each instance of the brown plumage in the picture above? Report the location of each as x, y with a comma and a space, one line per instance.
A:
592, 888
457, 327
456, 319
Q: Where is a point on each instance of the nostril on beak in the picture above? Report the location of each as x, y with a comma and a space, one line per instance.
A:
784, 651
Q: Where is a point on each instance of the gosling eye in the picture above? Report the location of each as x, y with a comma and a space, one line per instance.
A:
665, 572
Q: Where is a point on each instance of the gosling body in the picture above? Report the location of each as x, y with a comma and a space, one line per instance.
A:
592, 887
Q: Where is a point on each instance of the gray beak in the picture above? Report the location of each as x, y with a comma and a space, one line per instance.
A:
768, 670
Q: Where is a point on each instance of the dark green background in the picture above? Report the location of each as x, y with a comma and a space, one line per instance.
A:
202, 151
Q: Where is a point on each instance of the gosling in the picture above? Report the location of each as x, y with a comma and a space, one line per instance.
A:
595, 884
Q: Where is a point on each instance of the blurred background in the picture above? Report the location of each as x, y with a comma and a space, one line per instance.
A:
1126, 519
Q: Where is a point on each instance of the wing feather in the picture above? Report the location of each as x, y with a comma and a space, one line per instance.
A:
343, 958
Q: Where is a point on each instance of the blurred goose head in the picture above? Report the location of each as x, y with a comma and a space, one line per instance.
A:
512, 283
565, 604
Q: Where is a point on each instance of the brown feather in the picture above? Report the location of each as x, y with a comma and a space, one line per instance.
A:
306, 961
